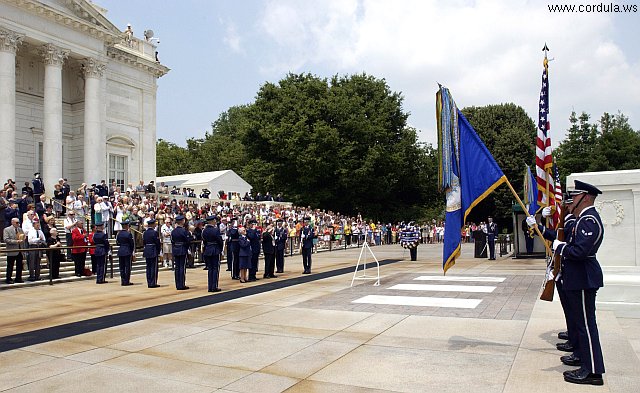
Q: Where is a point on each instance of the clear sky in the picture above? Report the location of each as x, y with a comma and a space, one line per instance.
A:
487, 52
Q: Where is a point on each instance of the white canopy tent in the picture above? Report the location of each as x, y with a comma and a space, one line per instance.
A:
227, 181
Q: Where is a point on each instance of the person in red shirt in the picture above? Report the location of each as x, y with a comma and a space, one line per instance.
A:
79, 255
92, 251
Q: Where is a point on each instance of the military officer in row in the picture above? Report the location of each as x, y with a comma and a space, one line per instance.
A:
581, 279
253, 234
233, 249
492, 234
570, 335
180, 241
281, 234
307, 234
126, 255
212, 245
101, 241
151, 251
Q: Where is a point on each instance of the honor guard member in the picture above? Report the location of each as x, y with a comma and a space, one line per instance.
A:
151, 251
212, 244
253, 234
38, 187
281, 244
180, 239
233, 249
581, 279
572, 344
101, 241
269, 250
492, 233
125, 253
307, 235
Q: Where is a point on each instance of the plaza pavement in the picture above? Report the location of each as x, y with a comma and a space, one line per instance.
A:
297, 333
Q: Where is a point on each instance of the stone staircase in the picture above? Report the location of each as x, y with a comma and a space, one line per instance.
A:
67, 268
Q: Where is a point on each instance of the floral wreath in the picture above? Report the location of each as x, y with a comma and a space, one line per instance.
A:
616, 205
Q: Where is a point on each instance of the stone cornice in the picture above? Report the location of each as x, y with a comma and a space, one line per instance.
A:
9, 40
126, 57
87, 24
53, 55
92, 68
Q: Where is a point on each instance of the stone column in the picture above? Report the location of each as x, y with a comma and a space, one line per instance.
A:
53, 58
94, 144
9, 42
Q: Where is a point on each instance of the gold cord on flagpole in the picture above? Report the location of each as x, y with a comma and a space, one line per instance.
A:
524, 209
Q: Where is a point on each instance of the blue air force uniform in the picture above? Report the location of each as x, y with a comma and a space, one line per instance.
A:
234, 248
307, 235
244, 252
492, 234
180, 240
269, 250
151, 251
125, 252
101, 241
254, 238
213, 245
581, 279
281, 244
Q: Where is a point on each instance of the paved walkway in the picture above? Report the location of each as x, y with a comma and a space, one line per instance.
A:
479, 329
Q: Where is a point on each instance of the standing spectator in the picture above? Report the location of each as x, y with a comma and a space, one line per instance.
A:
4, 204
165, 236
244, 254
92, 251
36, 239
54, 254
69, 225
79, 255
14, 238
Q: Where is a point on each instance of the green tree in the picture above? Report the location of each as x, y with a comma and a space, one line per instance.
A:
575, 152
171, 159
618, 145
509, 134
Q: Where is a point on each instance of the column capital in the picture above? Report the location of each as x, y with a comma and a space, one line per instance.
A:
9, 40
53, 55
91, 68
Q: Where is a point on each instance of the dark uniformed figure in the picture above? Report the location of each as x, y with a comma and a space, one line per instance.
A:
253, 234
151, 251
38, 187
101, 241
212, 245
233, 248
281, 234
581, 279
571, 335
125, 253
197, 244
269, 250
492, 234
244, 254
307, 235
180, 240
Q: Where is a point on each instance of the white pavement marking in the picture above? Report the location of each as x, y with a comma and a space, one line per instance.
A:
460, 278
419, 301
444, 288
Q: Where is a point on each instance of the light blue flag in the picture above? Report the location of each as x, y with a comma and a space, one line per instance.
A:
467, 172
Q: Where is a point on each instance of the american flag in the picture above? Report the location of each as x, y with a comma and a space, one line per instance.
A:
557, 197
544, 160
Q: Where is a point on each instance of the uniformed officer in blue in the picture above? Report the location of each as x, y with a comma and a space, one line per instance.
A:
151, 251
180, 240
307, 235
212, 244
101, 241
571, 335
253, 234
492, 233
233, 249
38, 187
281, 243
581, 279
125, 253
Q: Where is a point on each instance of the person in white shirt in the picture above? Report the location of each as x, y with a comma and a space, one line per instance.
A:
27, 223
165, 233
80, 207
97, 207
36, 239
69, 224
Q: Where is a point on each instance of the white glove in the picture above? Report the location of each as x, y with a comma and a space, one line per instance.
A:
546, 212
557, 243
531, 221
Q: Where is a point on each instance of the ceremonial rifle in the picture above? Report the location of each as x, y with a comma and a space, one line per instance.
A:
553, 267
